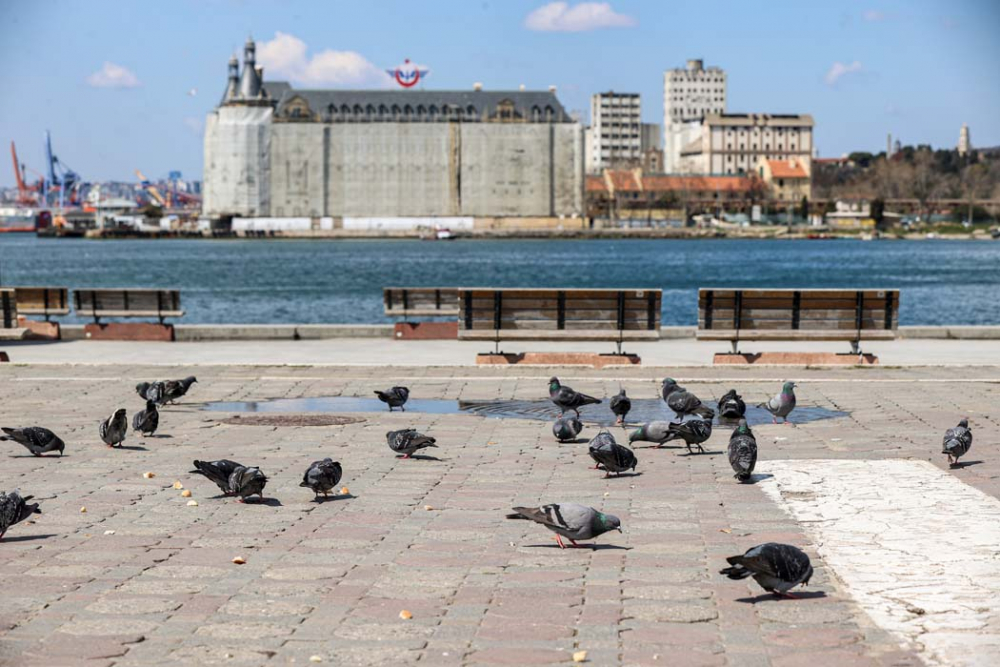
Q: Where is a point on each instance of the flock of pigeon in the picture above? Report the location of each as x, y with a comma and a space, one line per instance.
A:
776, 567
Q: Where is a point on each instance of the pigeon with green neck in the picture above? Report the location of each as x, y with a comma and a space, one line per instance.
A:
782, 404
570, 520
567, 399
742, 451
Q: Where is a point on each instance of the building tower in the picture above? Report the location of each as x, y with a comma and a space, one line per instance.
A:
250, 81
233, 84
615, 121
964, 143
689, 94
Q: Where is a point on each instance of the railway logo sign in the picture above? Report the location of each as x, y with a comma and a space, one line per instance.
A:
408, 75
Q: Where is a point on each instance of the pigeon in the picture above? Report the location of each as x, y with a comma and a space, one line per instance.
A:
152, 391
217, 471
614, 457
176, 389
776, 567
38, 440
408, 441
569, 520
395, 397
114, 428
15, 509
742, 451
683, 402
146, 421
321, 476
782, 404
620, 405
652, 432
957, 441
245, 482
567, 399
731, 405
566, 428
694, 431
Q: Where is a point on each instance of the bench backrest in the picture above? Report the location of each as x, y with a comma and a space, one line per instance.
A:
557, 310
8, 309
420, 301
825, 310
127, 303
42, 300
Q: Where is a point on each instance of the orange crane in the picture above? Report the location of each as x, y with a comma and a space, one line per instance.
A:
152, 190
24, 191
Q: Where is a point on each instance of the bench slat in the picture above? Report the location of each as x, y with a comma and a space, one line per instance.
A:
42, 300
128, 303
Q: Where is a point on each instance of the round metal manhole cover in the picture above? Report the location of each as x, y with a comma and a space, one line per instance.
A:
290, 420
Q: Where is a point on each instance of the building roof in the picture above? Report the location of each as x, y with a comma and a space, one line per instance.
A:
787, 169
625, 180
770, 119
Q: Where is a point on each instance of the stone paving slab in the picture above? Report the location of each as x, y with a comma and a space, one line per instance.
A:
141, 578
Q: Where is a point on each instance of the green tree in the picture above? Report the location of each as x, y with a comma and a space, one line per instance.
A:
804, 208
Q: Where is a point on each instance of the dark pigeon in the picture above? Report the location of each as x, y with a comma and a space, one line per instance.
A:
408, 441
569, 520
782, 404
152, 391
742, 451
731, 406
245, 482
38, 440
657, 432
567, 399
566, 428
620, 405
693, 431
776, 567
15, 509
683, 402
614, 457
146, 421
173, 390
114, 428
395, 397
322, 476
217, 471
957, 441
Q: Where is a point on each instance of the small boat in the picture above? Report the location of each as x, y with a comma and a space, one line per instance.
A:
439, 234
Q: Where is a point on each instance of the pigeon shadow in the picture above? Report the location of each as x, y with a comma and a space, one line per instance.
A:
267, 502
43, 456
163, 435
136, 448
621, 474
27, 538
964, 464
574, 441
582, 547
320, 500
705, 453
758, 478
771, 597
419, 457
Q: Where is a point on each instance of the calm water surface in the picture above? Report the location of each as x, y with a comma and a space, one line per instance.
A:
270, 281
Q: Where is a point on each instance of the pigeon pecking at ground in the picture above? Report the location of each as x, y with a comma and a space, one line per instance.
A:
173, 390
683, 402
15, 509
38, 440
321, 476
146, 421
569, 520
782, 404
245, 482
566, 428
614, 457
776, 567
693, 431
957, 442
408, 441
731, 406
395, 397
152, 391
742, 451
114, 428
566, 399
657, 432
217, 471
620, 405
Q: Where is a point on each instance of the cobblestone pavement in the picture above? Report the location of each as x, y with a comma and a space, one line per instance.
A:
142, 578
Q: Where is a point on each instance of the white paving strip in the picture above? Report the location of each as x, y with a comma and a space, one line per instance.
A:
917, 549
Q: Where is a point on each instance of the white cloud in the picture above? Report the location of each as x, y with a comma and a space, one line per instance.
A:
287, 56
873, 15
839, 70
113, 76
560, 17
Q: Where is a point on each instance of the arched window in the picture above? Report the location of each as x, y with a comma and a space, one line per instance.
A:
471, 113
370, 112
345, 112
536, 114
432, 113
408, 112
505, 110
550, 114
383, 112
331, 111
421, 112
397, 112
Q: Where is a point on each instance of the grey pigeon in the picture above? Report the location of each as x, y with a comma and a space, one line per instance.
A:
408, 441
742, 451
146, 421
957, 441
245, 482
683, 402
321, 476
776, 567
217, 471
782, 404
620, 406
15, 509
566, 399
731, 406
614, 457
566, 428
176, 389
693, 431
569, 520
38, 440
657, 432
152, 391
395, 397
114, 428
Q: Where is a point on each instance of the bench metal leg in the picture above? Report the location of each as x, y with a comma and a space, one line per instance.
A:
856, 347
735, 344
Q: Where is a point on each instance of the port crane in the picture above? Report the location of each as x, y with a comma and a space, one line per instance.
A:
27, 194
172, 196
61, 177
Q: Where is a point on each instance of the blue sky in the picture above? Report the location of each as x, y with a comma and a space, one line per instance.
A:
126, 85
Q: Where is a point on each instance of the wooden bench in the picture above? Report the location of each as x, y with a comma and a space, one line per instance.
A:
98, 303
559, 314
420, 301
9, 329
45, 301
806, 314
